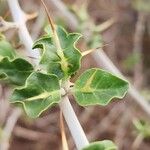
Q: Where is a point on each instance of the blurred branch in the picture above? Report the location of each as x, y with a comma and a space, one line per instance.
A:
7, 131
102, 59
4, 25
38, 24
68, 17
137, 49
33, 135
122, 128
104, 26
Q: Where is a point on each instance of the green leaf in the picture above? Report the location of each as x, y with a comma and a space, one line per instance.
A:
142, 127
141, 5
6, 50
15, 71
39, 93
96, 86
101, 145
63, 65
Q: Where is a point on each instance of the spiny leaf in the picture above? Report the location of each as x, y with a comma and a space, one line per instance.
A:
6, 50
96, 86
64, 62
15, 71
40, 92
101, 145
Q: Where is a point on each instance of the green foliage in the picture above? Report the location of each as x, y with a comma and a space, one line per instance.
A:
12, 70
101, 145
39, 93
97, 86
65, 64
6, 50
141, 5
15, 71
131, 61
142, 127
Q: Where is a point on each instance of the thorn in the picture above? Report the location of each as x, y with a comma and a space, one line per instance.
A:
4, 25
63, 134
105, 25
31, 16
49, 18
89, 51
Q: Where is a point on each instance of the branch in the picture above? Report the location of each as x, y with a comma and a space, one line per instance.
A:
71, 119
73, 123
137, 49
11, 121
102, 59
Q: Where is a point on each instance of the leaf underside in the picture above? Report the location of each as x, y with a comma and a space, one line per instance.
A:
101, 145
51, 61
39, 93
98, 87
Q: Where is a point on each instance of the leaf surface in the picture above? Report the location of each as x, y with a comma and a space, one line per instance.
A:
101, 145
39, 93
65, 64
6, 50
15, 71
96, 86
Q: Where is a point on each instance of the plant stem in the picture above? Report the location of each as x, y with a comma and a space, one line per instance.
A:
73, 123
68, 112
20, 19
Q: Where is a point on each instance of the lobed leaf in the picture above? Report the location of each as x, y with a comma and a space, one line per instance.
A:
101, 145
65, 65
15, 71
96, 86
40, 92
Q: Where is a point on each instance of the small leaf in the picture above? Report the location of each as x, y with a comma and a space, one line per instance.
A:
63, 65
96, 86
101, 145
15, 71
40, 92
142, 127
6, 50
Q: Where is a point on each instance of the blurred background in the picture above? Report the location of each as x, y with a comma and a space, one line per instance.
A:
122, 29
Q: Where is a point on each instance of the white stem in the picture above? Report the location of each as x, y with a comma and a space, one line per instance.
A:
73, 124
68, 112
20, 19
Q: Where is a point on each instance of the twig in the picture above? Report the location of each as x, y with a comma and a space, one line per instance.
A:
7, 131
137, 49
38, 24
63, 134
33, 135
103, 60
68, 17
138, 140
122, 128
